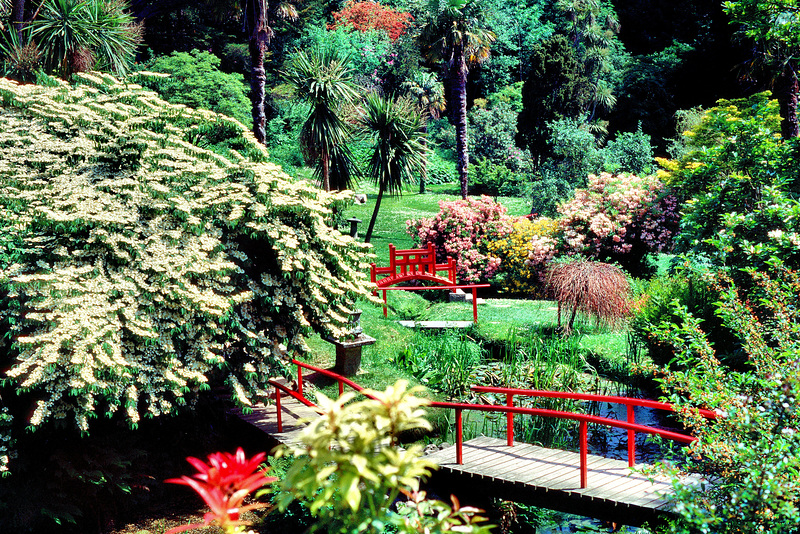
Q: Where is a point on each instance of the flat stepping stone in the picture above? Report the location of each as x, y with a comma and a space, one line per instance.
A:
436, 324
459, 295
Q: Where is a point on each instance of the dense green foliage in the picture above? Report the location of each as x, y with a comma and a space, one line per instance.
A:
738, 180
196, 81
749, 454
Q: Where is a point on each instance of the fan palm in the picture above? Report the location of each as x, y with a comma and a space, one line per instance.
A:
322, 79
74, 34
399, 153
455, 34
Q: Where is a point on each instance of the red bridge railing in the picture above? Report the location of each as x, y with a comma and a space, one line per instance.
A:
510, 410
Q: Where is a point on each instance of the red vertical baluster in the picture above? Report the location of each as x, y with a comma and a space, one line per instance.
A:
510, 421
278, 409
300, 381
584, 453
631, 438
341, 387
459, 438
475, 305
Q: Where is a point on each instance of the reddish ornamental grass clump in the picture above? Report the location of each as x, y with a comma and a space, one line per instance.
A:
599, 290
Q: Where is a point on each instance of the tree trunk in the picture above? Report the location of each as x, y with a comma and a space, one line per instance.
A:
786, 91
18, 17
459, 77
371, 226
326, 172
425, 161
259, 41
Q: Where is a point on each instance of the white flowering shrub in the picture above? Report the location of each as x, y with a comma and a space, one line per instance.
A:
146, 268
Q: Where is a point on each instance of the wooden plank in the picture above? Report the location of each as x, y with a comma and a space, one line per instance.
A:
505, 461
543, 466
555, 470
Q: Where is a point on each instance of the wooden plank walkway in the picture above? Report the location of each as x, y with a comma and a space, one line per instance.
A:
524, 473
295, 414
541, 470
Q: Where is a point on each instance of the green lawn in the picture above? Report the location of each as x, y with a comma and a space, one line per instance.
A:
604, 349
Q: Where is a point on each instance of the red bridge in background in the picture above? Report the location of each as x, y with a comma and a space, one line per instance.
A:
517, 471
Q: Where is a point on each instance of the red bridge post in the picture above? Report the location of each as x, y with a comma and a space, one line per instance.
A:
510, 420
631, 438
584, 453
459, 437
278, 409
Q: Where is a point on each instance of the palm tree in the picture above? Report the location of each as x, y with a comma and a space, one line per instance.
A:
399, 152
455, 34
256, 18
592, 40
76, 35
322, 79
428, 92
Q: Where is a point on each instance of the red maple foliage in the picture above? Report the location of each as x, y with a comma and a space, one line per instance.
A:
368, 15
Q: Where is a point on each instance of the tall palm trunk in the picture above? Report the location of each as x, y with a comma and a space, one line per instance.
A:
375, 211
786, 91
326, 172
424, 142
18, 17
459, 74
259, 41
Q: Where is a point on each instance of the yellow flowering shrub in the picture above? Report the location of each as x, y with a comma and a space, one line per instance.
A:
517, 275
138, 268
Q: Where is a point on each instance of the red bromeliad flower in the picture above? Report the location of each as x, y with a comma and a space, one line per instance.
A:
223, 483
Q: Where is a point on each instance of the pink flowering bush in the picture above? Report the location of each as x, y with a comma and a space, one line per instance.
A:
462, 230
619, 218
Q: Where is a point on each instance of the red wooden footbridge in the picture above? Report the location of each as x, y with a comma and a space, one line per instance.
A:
576, 482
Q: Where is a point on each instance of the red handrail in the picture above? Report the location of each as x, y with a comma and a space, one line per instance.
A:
629, 402
509, 409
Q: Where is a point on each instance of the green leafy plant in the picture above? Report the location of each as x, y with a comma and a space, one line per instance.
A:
195, 79
21, 57
629, 152
442, 362
350, 470
657, 305
75, 34
737, 182
749, 455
